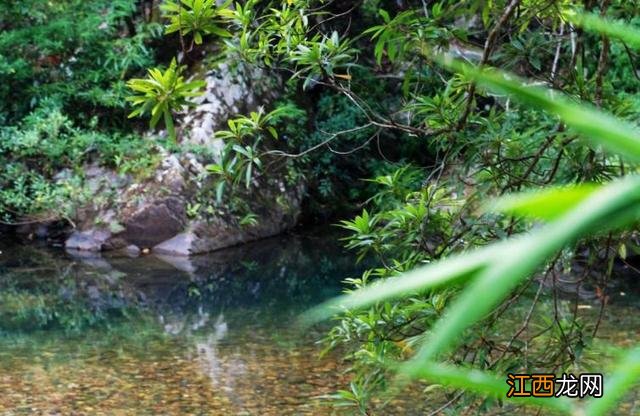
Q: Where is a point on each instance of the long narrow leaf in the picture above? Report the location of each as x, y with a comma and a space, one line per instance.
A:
519, 259
484, 383
601, 128
626, 375
454, 269
546, 204
612, 28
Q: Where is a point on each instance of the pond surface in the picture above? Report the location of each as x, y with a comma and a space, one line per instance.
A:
83, 334
210, 335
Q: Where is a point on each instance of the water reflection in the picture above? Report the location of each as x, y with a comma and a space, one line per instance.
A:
209, 359
291, 272
87, 334
82, 334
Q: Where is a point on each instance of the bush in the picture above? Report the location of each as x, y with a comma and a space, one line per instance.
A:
76, 52
44, 158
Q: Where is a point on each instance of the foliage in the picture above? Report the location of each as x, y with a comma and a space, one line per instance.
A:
320, 57
161, 93
78, 58
63, 67
242, 154
195, 17
43, 158
491, 273
335, 175
474, 142
395, 109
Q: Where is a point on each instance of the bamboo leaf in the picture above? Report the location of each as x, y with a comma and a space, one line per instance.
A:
601, 128
484, 383
625, 376
455, 269
520, 257
612, 28
545, 204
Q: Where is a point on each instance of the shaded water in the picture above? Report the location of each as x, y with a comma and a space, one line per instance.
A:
214, 334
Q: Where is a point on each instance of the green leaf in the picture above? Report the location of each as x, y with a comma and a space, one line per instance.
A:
161, 93
519, 257
484, 383
612, 28
219, 32
495, 270
248, 173
215, 169
625, 376
612, 133
455, 269
197, 37
220, 191
155, 118
385, 15
544, 204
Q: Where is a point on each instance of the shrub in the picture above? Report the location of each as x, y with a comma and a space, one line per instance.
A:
161, 93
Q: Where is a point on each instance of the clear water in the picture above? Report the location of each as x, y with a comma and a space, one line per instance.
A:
83, 334
210, 335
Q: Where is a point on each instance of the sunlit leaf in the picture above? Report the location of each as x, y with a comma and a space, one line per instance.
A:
625, 376
455, 269
483, 383
612, 28
520, 257
545, 204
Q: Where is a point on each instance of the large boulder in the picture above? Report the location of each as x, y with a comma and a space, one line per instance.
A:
90, 240
277, 208
151, 212
230, 90
156, 221
125, 211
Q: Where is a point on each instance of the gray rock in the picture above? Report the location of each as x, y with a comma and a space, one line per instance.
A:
143, 213
63, 175
155, 222
171, 174
94, 171
179, 245
211, 237
91, 240
229, 91
192, 164
132, 250
279, 214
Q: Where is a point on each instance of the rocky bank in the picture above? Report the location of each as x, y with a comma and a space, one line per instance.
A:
152, 213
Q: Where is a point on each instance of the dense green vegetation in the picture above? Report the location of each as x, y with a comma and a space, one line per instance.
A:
390, 113
63, 70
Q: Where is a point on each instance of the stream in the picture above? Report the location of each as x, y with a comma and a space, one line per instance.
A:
89, 334
212, 334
